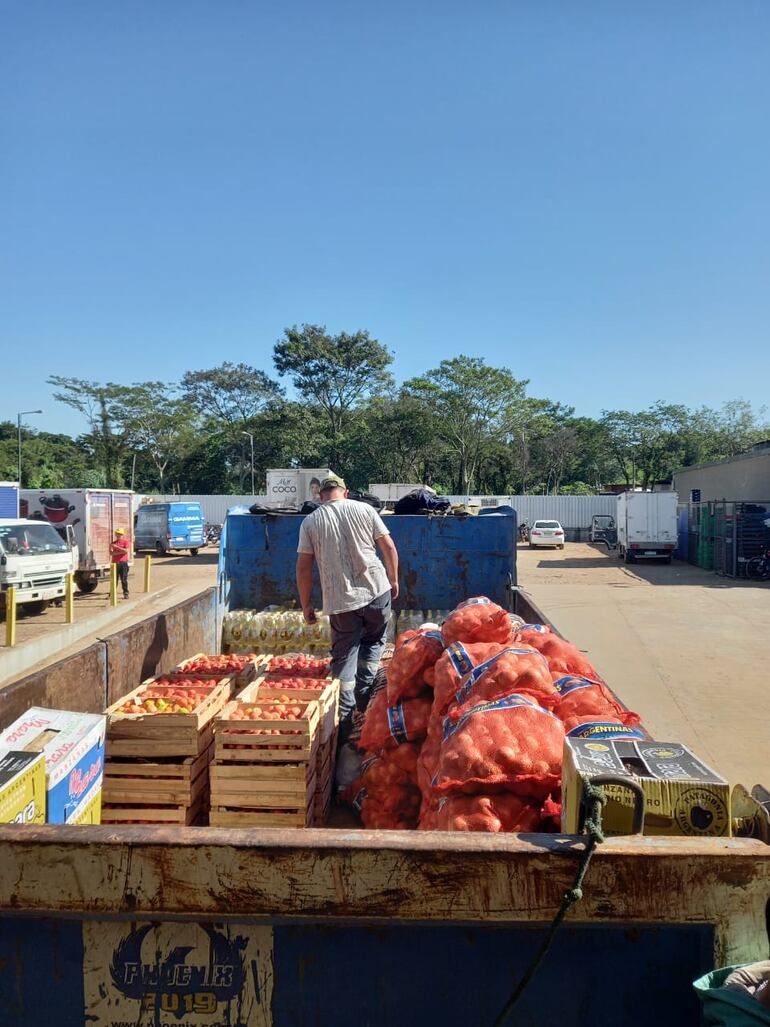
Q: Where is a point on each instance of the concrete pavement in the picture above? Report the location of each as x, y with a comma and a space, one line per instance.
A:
686, 649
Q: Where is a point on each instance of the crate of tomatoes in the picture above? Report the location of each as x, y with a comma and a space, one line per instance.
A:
324, 691
241, 667
170, 715
265, 761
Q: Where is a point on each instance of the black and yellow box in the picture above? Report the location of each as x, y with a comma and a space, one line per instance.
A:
22, 787
682, 795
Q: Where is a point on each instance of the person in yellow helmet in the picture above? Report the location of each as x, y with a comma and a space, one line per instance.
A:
119, 551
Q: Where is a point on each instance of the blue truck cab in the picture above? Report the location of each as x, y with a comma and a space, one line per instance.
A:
166, 527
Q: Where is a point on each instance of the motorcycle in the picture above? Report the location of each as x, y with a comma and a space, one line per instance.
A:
523, 532
758, 567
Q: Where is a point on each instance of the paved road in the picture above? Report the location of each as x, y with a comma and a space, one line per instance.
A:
688, 650
191, 572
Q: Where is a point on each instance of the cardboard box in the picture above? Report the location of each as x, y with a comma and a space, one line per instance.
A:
683, 795
22, 788
73, 746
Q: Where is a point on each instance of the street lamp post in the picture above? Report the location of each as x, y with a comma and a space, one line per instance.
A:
18, 427
251, 439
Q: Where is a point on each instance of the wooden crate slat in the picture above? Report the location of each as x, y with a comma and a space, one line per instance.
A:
121, 790
220, 817
262, 773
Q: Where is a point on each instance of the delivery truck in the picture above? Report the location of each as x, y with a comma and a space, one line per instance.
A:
93, 514
160, 925
35, 561
646, 525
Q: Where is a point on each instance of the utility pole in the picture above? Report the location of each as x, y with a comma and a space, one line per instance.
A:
251, 439
18, 426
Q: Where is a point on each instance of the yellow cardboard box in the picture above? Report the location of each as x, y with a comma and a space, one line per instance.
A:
22, 787
683, 796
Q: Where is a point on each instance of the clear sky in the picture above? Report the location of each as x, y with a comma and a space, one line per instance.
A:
580, 191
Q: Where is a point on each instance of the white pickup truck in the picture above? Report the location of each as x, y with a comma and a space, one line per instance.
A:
35, 560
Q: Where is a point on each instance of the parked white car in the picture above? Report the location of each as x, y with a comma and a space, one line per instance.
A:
546, 533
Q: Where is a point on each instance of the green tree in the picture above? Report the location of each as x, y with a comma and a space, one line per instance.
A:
472, 405
335, 371
158, 424
100, 405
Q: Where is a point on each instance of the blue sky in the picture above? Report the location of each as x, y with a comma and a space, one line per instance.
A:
181, 180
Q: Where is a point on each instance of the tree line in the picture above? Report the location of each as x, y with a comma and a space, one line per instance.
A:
463, 427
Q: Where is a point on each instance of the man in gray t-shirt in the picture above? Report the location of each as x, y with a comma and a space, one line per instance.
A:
342, 537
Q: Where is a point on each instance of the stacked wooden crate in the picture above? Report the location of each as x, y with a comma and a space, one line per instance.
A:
327, 697
157, 763
264, 770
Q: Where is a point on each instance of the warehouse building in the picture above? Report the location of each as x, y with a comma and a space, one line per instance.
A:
743, 477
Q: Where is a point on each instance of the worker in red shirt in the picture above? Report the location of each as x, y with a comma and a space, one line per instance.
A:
119, 550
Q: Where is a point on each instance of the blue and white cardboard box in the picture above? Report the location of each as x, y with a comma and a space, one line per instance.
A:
73, 746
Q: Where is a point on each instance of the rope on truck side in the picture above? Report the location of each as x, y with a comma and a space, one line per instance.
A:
595, 799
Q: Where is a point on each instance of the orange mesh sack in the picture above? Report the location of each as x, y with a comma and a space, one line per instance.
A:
427, 761
477, 620
428, 816
511, 745
530, 634
457, 660
583, 697
406, 670
387, 726
402, 816
590, 727
494, 813
519, 669
386, 793
563, 657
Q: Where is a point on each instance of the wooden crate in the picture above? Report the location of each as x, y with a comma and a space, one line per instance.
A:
180, 814
164, 734
266, 786
232, 743
156, 782
328, 700
240, 680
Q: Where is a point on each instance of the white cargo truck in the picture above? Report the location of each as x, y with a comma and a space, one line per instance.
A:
647, 527
35, 560
93, 514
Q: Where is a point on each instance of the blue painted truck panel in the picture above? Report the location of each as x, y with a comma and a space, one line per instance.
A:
346, 976
443, 560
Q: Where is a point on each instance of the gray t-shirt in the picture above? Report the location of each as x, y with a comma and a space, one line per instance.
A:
341, 536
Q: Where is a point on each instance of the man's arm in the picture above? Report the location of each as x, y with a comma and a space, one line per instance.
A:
305, 585
389, 553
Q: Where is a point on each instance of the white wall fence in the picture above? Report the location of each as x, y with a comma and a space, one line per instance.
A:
572, 512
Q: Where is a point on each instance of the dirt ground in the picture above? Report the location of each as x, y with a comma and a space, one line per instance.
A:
191, 573
686, 649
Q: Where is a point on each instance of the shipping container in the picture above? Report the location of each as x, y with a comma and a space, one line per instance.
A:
9, 499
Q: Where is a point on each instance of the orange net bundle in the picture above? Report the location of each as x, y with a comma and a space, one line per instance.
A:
511, 744
387, 725
406, 670
491, 813
591, 727
457, 660
386, 794
477, 620
583, 697
563, 657
519, 669
528, 634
